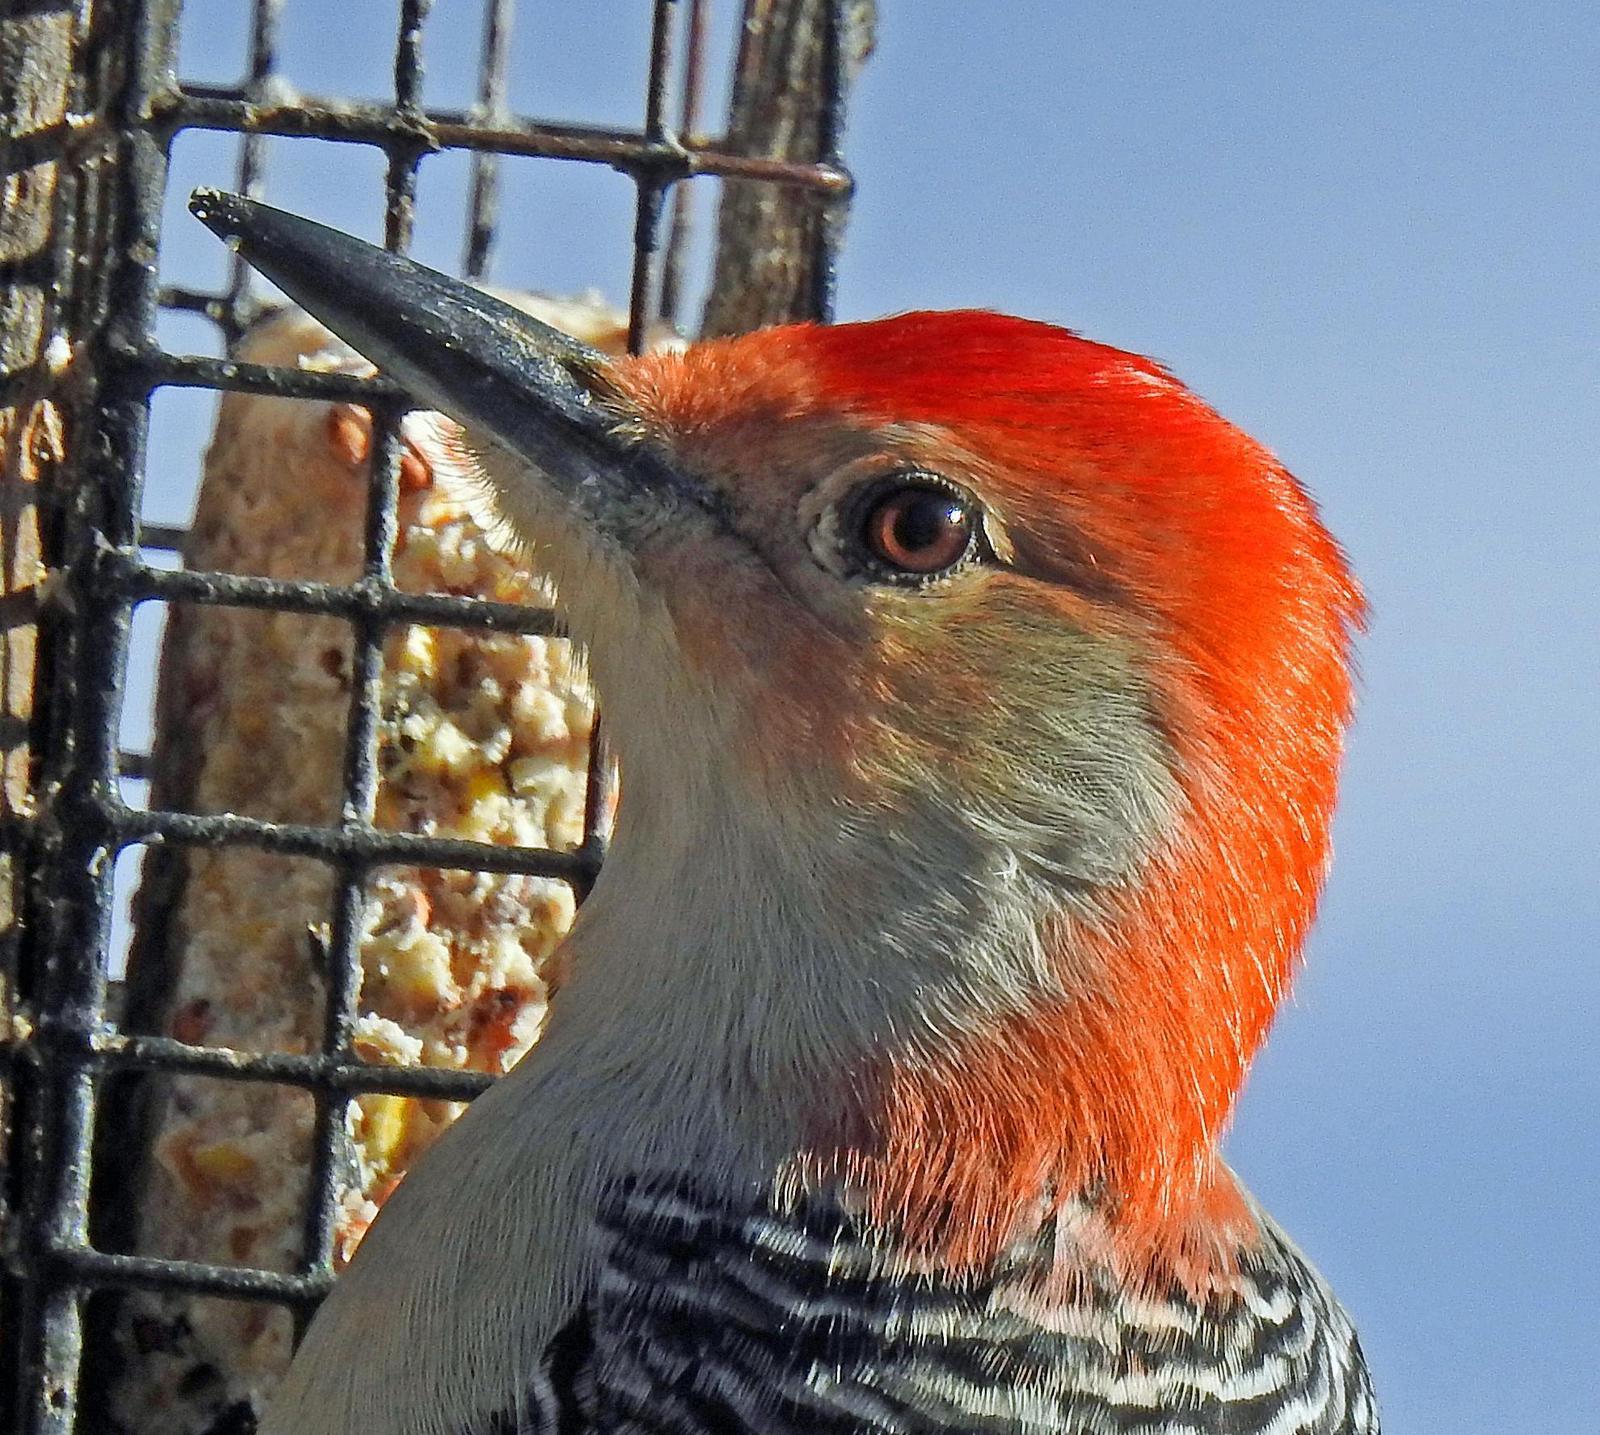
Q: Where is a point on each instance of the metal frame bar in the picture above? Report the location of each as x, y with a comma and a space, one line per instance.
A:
63, 1042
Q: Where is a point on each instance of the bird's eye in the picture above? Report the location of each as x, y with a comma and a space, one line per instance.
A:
919, 527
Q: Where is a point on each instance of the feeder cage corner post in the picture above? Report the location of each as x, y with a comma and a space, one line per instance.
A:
81, 169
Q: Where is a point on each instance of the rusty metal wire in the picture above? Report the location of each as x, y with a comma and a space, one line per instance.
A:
63, 1042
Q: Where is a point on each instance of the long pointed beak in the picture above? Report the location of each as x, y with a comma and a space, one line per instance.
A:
533, 391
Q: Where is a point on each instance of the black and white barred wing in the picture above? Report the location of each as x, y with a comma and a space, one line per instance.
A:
710, 1322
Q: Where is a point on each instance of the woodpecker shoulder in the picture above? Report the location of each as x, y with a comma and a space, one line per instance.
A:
705, 1318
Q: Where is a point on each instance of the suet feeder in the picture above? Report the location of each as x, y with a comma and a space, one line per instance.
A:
92, 101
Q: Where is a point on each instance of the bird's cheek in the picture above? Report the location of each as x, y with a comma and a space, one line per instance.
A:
734, 620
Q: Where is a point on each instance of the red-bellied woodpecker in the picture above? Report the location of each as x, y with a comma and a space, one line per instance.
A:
979, 694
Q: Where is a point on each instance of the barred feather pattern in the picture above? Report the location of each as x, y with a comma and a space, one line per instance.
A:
710, 1321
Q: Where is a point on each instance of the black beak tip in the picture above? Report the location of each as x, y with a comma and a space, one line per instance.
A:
224, 214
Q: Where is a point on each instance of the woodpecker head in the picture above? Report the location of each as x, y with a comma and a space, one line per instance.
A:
1027, 671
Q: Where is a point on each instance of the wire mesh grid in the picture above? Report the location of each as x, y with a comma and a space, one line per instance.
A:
63, 1046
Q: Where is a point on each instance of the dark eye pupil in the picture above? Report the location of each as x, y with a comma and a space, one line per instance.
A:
918, 528
928, 520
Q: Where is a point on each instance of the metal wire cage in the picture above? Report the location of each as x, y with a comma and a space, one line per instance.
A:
88, 131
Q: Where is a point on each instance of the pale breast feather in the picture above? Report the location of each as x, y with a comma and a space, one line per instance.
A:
706, 1320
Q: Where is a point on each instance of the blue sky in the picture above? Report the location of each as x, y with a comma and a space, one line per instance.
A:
1367, 233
